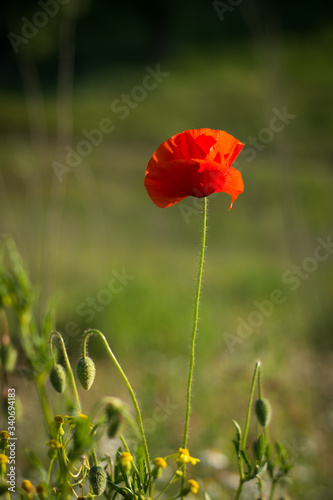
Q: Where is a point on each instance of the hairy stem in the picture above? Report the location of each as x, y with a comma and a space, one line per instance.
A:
128, 385
195, 321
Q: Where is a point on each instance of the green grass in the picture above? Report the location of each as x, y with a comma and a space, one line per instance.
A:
106, 222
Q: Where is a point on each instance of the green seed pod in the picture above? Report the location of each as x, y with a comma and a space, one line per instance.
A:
86, 371
263, 411
58, 378
97, 479
114, 416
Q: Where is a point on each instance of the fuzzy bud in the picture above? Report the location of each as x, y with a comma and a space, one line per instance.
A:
58, 378
263, 411
97, 479
86, 371
114, 416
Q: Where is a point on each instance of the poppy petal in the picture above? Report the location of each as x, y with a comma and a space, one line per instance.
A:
175, 180
194, 163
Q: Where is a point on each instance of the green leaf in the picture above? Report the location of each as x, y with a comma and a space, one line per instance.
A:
236, 444
282, 454
261, 468
238, 434
268, 451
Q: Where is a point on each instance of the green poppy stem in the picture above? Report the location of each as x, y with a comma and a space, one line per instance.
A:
68, 365
195, 320
86, 336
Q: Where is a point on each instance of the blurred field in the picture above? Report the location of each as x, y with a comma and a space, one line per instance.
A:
73, 235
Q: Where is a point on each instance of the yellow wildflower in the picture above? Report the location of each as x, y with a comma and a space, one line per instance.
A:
3, 459
126, 459
183, 457
53, 444
160, 462
28, 487
193, 485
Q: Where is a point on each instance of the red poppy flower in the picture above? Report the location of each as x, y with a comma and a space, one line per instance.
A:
194, 163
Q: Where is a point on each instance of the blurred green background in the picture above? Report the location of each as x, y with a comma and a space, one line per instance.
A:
232, 68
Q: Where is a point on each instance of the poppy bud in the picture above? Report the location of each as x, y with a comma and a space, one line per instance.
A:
114, 416
86, 370
263, 411
82, 436
97, 479
58, 378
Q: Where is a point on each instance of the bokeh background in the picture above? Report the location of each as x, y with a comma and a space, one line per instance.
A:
233, 66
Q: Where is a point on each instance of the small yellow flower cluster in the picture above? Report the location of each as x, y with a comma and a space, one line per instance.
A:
183, 457
53, 444
28, 487
125, 460
160, 462
193, 485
